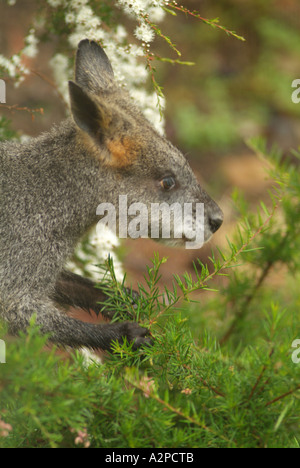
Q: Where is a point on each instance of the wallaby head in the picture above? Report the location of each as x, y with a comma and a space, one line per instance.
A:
138, 162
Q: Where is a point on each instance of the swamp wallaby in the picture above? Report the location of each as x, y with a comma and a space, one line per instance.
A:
50, 188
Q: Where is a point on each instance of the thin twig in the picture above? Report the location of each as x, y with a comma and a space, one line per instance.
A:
260, 376
213, 389
244, 307
212, 23
283, 396
177, 411
15, 107
49, 82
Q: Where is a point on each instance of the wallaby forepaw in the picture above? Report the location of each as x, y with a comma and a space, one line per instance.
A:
136, 334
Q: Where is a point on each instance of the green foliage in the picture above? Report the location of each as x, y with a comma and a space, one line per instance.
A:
229, 383
178, 394
5, 131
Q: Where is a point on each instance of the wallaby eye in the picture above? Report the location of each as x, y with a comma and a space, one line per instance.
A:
167, 183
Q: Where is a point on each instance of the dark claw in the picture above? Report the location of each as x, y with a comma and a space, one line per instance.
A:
147, 341
134, 332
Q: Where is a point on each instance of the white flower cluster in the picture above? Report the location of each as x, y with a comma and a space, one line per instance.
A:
56, 3
102, 243
144, 33
125, 58
10, 65
62, 73
144, 11
151, 8
14, 66
31, 42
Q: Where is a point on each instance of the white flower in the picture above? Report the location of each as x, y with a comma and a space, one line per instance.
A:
76, 4
8, 65
16, 60
156, 14
31, 42
133, 7
102, 243
121, 33
24, 139
85, 14
157, 121
149, 106
60, 66
93, 23
144, 33
141, 7
70, 18
136, 50
96, 34
55, 3
76, 37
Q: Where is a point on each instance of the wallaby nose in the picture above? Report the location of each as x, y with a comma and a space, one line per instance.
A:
215, 221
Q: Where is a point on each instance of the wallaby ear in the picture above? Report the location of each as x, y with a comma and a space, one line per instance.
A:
90, 116
93, 71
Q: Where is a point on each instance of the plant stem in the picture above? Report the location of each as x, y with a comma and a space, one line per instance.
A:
282, 396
